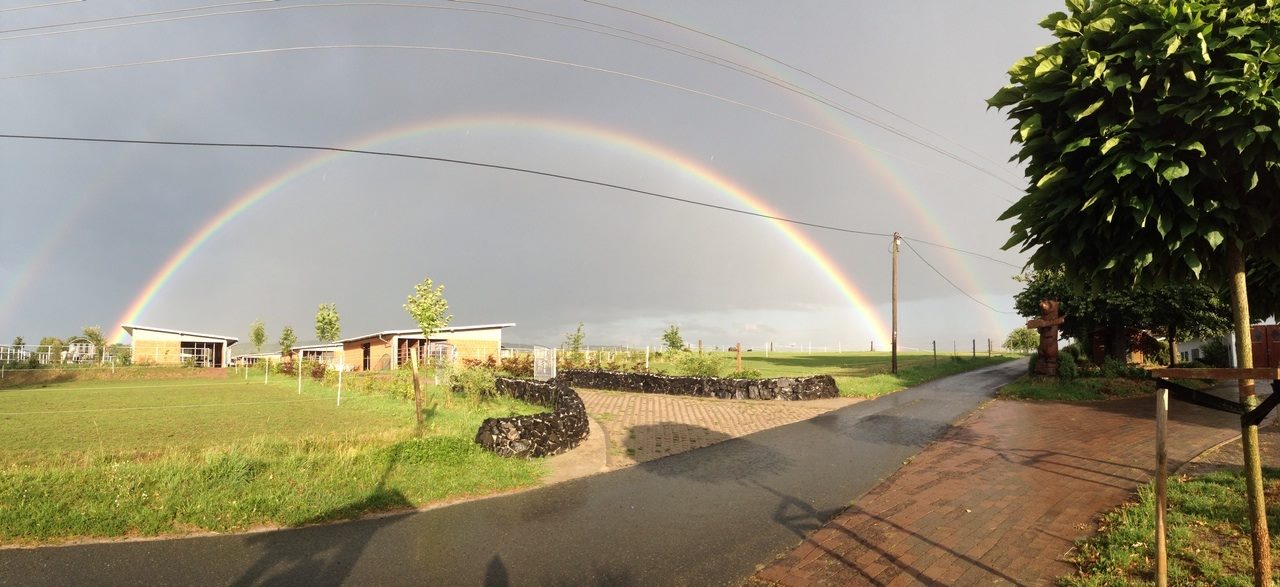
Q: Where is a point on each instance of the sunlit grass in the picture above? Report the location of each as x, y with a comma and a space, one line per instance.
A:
1208, 536
106, 459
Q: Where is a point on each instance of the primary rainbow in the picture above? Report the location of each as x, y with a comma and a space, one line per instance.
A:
862, 307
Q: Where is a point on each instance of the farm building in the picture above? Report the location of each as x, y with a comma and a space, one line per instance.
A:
391, 348
324, 352
166, 346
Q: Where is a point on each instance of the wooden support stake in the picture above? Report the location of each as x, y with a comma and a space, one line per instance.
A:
739, 357
417, 388
1162, 474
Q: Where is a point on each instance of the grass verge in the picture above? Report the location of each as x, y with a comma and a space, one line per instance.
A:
1031, 387
98, 459
1208, 537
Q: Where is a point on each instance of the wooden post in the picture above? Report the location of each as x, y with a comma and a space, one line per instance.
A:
298, 366
266, 371
935, 353
1162, 473
893, 344
699, 346
975, 348
340, 370
646, 357
988, 347
417, 388
739, 357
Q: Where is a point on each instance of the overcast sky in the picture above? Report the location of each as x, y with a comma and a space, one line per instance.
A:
85, 227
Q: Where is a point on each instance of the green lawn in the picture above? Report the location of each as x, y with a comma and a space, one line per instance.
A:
863, 374
126, 458
1079, 389
1207, 532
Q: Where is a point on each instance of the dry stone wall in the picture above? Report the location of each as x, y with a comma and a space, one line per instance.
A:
778, 388
538, 435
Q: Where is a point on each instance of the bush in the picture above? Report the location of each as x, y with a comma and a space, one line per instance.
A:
517, 366
1111, 368
1072, 350
1068, 367
318, 370
286, 368
696, 365
746, 374
475, 383
1031, 364
1215, 354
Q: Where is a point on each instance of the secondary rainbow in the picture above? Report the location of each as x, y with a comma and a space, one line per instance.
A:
862, 307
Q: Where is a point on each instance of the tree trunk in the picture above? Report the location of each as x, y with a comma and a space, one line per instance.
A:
417, 386
1173, 345
1118, 342
1249, 433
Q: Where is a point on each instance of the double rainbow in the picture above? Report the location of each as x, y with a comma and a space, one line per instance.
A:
863, 308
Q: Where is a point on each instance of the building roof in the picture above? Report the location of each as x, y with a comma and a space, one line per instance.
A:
418, 331
131, 327
319, 345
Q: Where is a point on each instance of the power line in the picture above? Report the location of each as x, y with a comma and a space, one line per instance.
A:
787, 65
449, 160
503, 168
125, 17
951, 283
46, 5
643, 39
488, 52
967, 252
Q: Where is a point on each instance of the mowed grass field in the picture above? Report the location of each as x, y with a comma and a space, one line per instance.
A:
864, 374
142, 458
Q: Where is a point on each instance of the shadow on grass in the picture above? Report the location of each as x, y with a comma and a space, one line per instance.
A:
324, 555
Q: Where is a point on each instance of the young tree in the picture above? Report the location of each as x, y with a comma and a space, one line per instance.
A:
287, 340
671, 338
56, 346
19, 341
328, 324
573, 344
1022, 340
1148, 129
430, 310
257, 335
94, 334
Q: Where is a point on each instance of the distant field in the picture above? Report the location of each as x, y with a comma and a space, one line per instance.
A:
865, 374
141, 458
135, 418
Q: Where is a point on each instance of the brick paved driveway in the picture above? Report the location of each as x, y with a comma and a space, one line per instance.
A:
1000, 499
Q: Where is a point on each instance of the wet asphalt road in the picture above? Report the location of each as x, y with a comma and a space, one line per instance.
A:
705, 517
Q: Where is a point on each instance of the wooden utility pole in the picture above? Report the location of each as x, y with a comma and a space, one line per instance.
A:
894, 344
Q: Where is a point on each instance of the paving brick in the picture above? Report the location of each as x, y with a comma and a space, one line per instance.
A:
1003, 495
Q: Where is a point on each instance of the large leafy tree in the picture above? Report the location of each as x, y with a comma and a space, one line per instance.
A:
1022, 340
1177, 311
1149, 130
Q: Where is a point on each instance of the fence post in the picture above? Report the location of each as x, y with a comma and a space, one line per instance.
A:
646, 357
298, 365
266, 372
975, 348
873, 346
340, 370
935, 353
1162, 459
988, 347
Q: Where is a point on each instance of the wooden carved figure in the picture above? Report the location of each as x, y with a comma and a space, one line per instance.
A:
1047, 326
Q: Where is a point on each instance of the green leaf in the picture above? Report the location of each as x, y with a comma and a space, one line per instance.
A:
1007, 96
1093, 199
1192, 146
1234, 32
1214, 237
1175, 170
1069, 25
1110, 144
1150, 158
1076, 144
1204, 47
1114, 82
1192, 261
1090, 109
1142, 82
1173, 46
1055, 175
1046, 65
1077, 6
1029, 126
1253, 181
1051, 21
1163, 225
1104, 25
1124, 166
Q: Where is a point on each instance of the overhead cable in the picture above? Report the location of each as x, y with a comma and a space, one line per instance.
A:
952, 283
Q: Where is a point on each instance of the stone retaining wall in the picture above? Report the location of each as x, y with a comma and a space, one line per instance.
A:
538, 435
779, 388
